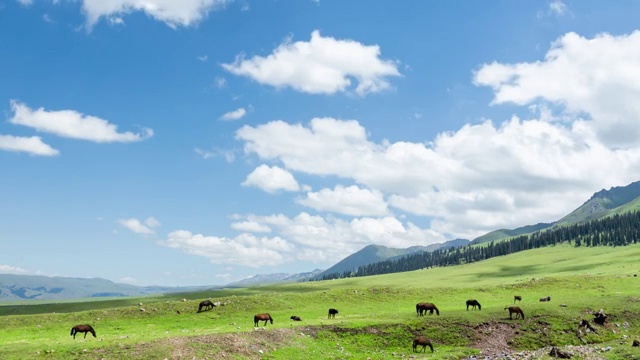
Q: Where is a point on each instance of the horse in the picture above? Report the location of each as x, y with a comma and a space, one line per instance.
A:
424, 307
206, 304
423, 341
517, 297
332, 313
473, 303
260, 317
82, 328
543, 299
515, 310
296, 318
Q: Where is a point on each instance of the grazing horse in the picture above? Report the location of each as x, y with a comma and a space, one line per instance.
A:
548, 298
423, 341
296, 318
260, 317
332, 313
206, 304
515, 310
517, 297
473, 304
82, 328
424, 307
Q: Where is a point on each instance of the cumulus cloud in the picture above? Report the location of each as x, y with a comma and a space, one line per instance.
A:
323, 65
250, 226
351, 200
271, 179
174, 13
597, 77
234, 115
471, 181
8, 269
145, 227
32, 145
72, 124
245, 249
558, 7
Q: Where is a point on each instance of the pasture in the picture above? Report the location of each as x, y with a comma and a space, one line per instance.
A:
377, 317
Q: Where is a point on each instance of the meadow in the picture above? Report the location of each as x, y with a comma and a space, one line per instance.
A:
376, 319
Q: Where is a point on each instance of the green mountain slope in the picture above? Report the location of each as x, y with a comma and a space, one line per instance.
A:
617, 200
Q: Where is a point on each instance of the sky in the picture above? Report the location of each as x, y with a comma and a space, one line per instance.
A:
200, 142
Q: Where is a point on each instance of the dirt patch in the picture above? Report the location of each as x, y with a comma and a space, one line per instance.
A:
492, 338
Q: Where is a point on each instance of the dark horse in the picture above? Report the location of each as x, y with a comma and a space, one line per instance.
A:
424, 342
332, 313
547, 298
424, 307
82, 328
515, 310
517, 297
206, 304
260, 317
295, 318
473, 304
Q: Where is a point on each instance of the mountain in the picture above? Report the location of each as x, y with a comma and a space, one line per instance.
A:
30, 287
616, 200
263, 279
374, 253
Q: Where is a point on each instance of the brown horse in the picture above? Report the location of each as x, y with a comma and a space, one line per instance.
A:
473, 303
423, 341
515, 310
332, 313
517, 297
82, 328
260, 317
548, 298
206, 304
296, 318
424, 307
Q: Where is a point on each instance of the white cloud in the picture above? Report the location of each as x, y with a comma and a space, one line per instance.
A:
271, 179
220, 82
25, 2
234, 115
558, 7
72, 124
245, 249
174, 13
598, 77
475, 180
128, 280
250, 226
145, 227
324, 65
203, 58
32, 145
8, 269
350, 200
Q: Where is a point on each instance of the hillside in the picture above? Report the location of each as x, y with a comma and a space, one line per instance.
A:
374, 253
30, 287
617, 200
263, 279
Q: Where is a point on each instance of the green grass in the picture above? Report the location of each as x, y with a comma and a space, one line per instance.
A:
377, 316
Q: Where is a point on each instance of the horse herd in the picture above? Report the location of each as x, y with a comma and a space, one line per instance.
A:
421, 309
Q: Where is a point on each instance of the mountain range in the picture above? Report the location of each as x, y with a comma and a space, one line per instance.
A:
616, 200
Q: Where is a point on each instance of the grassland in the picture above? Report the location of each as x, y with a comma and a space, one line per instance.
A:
376, 319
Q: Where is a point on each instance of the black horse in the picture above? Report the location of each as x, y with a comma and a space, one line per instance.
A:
82, 328
422, 308
296, 318
260, 317
332, 313
423, 341
517, 297
473, 303
546, 298
206, 305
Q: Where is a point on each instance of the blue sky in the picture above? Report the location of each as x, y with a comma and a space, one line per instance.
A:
199, 142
